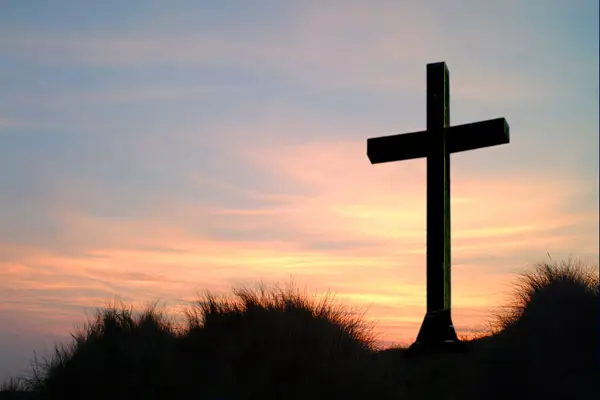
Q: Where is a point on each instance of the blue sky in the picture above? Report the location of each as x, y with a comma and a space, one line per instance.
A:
152, 149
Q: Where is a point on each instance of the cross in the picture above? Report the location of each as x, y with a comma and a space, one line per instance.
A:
436, 143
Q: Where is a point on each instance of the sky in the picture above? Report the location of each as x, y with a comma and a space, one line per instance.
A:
153, 150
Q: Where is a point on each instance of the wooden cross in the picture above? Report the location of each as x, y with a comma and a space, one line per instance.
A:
436, 144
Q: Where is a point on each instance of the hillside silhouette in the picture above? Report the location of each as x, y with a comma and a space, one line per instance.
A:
282, 344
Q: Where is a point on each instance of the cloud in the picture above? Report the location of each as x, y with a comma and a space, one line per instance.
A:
318, 46
7, 123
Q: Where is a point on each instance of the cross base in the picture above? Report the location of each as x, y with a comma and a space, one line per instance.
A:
437, 335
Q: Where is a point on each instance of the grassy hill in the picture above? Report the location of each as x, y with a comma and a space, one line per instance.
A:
279, 344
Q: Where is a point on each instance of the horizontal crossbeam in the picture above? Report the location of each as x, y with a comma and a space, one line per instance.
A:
459, 138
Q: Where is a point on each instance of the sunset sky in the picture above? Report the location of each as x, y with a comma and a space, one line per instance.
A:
152, 150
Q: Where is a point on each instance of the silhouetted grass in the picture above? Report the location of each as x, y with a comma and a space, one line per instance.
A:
275, 344
117, 353
548, 340
13, 384
282, 344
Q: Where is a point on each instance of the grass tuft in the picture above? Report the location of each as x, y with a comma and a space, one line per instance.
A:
548, 334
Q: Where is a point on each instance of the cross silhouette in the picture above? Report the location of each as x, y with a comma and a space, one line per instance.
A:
436, 144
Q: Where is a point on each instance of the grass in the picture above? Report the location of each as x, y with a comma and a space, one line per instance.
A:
283, 344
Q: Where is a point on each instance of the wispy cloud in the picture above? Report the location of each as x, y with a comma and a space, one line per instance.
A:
360, 47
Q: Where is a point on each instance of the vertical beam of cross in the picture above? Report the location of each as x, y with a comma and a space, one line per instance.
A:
438, 188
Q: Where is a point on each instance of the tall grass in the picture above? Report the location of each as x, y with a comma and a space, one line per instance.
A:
547, 337
260, 344
277, 343
117, 354
282, 344
13, 384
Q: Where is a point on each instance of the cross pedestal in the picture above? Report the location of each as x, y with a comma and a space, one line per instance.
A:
436, 144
